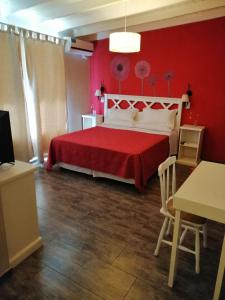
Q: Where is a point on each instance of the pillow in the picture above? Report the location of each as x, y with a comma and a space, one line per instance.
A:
120, 114
152, 126
118, 122
161, 117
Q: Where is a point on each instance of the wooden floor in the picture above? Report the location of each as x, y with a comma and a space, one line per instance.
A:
99, 238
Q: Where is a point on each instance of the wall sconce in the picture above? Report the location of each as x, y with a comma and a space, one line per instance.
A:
186, 97
100, 92
186, 101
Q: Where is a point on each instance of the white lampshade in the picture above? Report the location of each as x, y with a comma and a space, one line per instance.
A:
186, 101
124, 42
185, 98
98, 93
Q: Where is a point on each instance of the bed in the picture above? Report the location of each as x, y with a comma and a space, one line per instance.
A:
129, 146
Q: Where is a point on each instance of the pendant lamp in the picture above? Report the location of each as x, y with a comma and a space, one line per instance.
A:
124, 42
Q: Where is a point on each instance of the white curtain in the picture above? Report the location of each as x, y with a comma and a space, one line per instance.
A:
44, 80
32, 88
12, 95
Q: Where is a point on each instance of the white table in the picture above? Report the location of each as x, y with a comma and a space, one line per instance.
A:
202, 194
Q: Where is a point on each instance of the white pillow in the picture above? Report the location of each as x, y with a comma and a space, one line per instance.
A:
118, 123
161, 117
152, 126
121, 114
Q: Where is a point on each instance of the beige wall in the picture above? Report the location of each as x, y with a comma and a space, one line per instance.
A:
78, 81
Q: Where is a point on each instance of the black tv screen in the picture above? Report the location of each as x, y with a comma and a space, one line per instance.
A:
6, 143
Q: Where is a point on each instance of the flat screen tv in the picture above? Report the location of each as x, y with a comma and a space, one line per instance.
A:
6, 143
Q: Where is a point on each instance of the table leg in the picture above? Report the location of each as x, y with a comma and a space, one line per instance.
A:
175, 244
220, 273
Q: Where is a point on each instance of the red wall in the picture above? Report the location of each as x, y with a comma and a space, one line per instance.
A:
196, 54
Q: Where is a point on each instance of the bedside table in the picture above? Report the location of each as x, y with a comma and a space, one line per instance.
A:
91, 120
190, 145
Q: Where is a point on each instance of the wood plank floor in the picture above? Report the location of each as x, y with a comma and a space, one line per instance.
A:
99, 238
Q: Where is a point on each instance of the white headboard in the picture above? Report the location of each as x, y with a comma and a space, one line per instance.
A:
148, 102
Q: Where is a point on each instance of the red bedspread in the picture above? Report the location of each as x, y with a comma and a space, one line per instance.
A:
124, 153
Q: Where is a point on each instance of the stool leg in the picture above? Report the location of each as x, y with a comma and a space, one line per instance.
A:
204, 235
175, 245
219, 278
197, 251
183, 235
161, 235
169, 227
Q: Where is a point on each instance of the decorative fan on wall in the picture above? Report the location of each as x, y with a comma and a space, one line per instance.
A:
120, 69
168, 76
142, 70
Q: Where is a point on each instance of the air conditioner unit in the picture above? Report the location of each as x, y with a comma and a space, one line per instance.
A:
81, 47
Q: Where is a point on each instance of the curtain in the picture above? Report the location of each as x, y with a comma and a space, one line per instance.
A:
44, 80
12, 95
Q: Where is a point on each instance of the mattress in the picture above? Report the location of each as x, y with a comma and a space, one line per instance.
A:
124, 153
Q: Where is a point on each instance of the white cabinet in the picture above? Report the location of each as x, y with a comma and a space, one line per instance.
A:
91, 120
4, 258
19, 232
190, 144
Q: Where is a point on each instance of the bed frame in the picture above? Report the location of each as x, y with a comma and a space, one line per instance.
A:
148, 102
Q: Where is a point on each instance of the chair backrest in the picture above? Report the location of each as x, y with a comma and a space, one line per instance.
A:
167, 177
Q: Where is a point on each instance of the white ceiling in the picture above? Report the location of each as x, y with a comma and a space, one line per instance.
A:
94, 19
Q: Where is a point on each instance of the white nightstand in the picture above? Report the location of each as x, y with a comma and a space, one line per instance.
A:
91, 120
190, 144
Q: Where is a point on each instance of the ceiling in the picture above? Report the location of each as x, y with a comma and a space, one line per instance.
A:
95, 19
